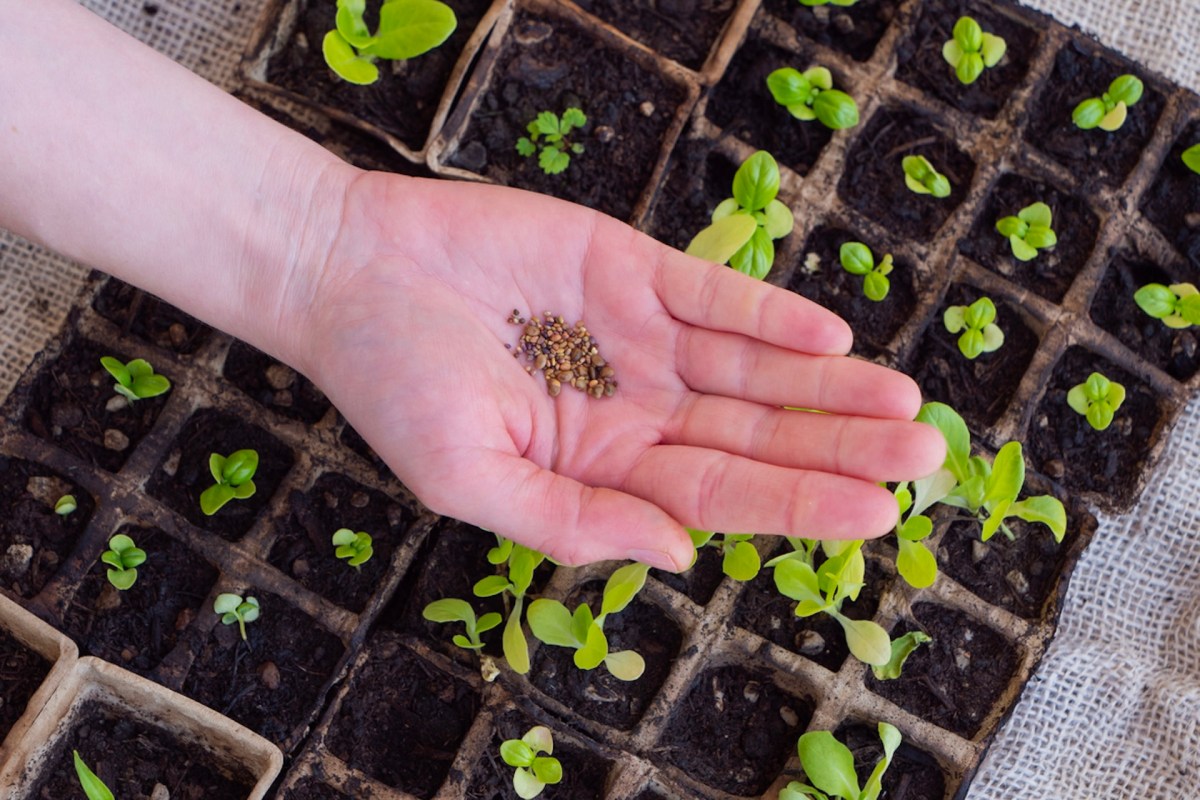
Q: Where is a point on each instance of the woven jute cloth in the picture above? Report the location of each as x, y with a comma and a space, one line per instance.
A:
1114, 711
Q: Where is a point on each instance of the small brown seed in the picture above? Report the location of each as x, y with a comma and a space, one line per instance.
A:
554, 387
540, 362
607, 372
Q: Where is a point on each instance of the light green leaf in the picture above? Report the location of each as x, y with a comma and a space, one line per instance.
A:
969, 68
526, 785
916, 564
517, 753
958, 438
547, 770
92, 786
820, 77
968, 35
868, 642
622, 586
550, 622
214, 497
1037, 215
118, 370
797, 580
1115, 119
450, 609
756, 181
890, 736
741, 562
756, 256
341, 58
516, 649
828, 763
724, 209
594, 651
993, 49
625, 665
540, 739
1008, 475
581, 621
836, 110
1191, 158
952, 53
1021, 250
1087, 115
1156, 300
721, 240
1126, 89
779, 220
876, 286
1044, 509
408, 28
993, 338
789, 87
902, 648
856, 258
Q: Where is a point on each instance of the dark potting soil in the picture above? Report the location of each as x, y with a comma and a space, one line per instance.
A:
912, 775
312, 790
1095, 156
132, 756
303, 548
272, 684
954, 680
698, 179
548, 64
854, 30
184, 473
402, 720
147, 317
980, 389
735, 730
404, 99
1173, 201
21, 673
684, 30
761, 609
69, 402
274, 385
1053, 270
920, 62
698, 583
1114, 309
1065, 447
649, 794
136, 628
819, 276
873, 180
596, 694
33, 539
742, 105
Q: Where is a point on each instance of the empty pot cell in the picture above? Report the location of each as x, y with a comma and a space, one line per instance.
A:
402, 720
33, 539
305, 551
920, 62
700, 582
955, 680
274, 681
742, 105
312, 790
1064, 446
1173, 200
1094, 156
1171, 349
136, 628
979, 389
912, 774
274, 385
21, 673
184, 472
735, 730
73, 405
404, 99
1051, 272
683, 30
550, 64
854, 30
147, 317
698, 179
819, 276
874, 183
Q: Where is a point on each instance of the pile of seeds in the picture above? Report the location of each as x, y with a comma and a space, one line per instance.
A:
566, 355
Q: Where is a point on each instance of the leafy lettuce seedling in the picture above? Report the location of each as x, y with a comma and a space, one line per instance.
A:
533, 771
233, 608
234, 478
451, 609
914, 561
971, 50
1098, 399
739, 558
1109, 111
521, 561
829, 764
407, 29
123, 558
857, 259
550, 133
922, 178
810, 95
1177, 305
354, 548
745, 226
977, 322
1191, 158
1029, 231
92, 786
135, 380
66, 505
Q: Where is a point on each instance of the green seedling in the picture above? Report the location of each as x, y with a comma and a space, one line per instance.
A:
549, 133
1109, 111
521, 562
914, 561
135, 380
1177, 305
533, 771
123, 558
92, 786
810, 95
232, 608
745, 226
971, 50
354, 548
922, 178
1097, 399
902, 648
829, 764
451, 609
552, 623
1029, 231
234, 478
1191, 158
977, 323
857, 259
66, 505
407, 28
739, 558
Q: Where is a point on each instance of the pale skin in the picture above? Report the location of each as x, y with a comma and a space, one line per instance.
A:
392, 294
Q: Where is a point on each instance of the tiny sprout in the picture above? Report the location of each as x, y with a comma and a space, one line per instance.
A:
533, 771
1177, 305
1098, 399
555, 146
1029, 231
355, 548
66, 505
922, 178
92, 786
1191, 158
123, 558
980, 333
829, 764
407, 28
857, 259
451, 609
1108, 112
135, 380
971, 50
233, 608
234, 479
810, 95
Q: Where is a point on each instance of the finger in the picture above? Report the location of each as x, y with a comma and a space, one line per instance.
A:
717, 491
738, 366
858, 447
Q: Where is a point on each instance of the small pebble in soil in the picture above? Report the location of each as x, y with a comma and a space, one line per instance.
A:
1017, 580
116, 440
789, 716
16, 560
177, 334
605, 134
809, 643
268, 673
280, 376
751, 691
563, 354
647, 109
115, 404
979, 551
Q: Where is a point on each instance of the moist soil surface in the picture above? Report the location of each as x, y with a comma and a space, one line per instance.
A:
683, 30
21, 673
149, 318
1173, 200
34, 540
312, 790
873, 179
700, 582
273, 385
912, 775
735, 730
698, 179
854, 30
552, 65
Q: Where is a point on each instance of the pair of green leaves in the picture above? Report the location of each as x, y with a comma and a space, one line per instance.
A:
971, 50
977, 323
355, 549
533, 770
521, 561
66, 505
1109, 111
1029, 231
857, 259
452, 609
739, 558
407, 29
1177, 305
921, 178
234, 479
123, 558
829, 765
135, 380
549, 132
810, 95
232, 608
1097, 399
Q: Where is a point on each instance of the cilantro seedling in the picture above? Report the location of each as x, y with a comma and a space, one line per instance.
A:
745, 226
971, 50
354, 548
66, 505
810, 95
977, 322
549, 133
407, 28
135, 380
451, 609
232, 608
92, 786
1191, 158
234, 479
1029, 231
921, 178
739, 558
1177, 305
829, 764
123, 558
552, 623
857, 259
521, 562
533, 770
1109, 111
1097, 399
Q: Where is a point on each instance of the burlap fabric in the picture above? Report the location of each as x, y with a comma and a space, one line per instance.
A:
1114, 711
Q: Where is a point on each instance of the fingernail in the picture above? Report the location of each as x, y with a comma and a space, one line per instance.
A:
655, 558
